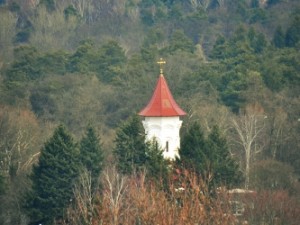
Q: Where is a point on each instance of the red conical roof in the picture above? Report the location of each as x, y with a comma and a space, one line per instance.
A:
162, 103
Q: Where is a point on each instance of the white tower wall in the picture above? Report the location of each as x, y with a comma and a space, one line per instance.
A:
166, 131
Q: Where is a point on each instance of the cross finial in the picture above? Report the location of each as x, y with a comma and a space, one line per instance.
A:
161, 62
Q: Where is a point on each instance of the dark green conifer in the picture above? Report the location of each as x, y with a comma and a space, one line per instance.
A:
209, 157
278, 39
130, 149
52, 179
156, 166
292, 36
192, 149
225, 169
91, 154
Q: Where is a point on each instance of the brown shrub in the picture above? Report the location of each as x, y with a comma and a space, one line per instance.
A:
133, 200
272, 207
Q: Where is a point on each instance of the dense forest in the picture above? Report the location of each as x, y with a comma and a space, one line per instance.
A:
74, 73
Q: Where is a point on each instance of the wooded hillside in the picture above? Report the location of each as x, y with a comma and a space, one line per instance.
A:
231, 63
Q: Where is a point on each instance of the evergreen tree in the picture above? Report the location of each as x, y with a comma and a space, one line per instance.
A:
225, 169
209, 157
110, 62
156, 165
52, 179
219, 48
130, 149
292, 36
134, 154
91, 155
254, 4
179, 41
278, 39
192, 148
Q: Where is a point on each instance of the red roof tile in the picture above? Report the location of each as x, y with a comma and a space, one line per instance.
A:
162, 103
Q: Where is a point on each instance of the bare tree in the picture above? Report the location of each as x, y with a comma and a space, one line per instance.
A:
115, 186
249, 127
204, 4
222, 3
19, 130
52, 30
81, 212
277, 126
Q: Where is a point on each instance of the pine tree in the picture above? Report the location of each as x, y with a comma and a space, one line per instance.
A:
192, 149
225, 169
156, 166
53, 178
279, 39
91, 155
209, 157
292, 36
130, 149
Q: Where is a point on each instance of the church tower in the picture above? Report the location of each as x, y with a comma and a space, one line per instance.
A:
162, 118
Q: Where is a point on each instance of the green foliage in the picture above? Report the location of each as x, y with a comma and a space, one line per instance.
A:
100, 80
233, 84
111, 61
14, 7
273, 2
225, 169
281, 69
83, 59
134, 154
30, 65
53, 63
293, 33
219, 48
254, 3
70, 11
42, 103
107, 61
257, 15
91, 155
154, 36
53, 179
22, 36
257, 41
130, 147
2, 184
149, 16
209, 157
192, 148
179, 41
279, 38
156, 166
50, 4
24, 67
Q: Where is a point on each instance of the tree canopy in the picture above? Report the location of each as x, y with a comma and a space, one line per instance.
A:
53, 179
91, 155
209, 157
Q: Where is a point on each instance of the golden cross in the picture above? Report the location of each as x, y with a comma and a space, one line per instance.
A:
161, 62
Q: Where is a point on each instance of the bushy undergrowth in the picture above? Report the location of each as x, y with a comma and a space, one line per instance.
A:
132, 199
135, 200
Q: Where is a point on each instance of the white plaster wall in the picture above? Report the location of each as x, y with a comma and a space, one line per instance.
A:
164, 129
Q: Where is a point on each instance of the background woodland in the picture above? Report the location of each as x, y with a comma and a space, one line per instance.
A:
231, 63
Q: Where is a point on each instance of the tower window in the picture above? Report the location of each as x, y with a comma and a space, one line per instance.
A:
167, 146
